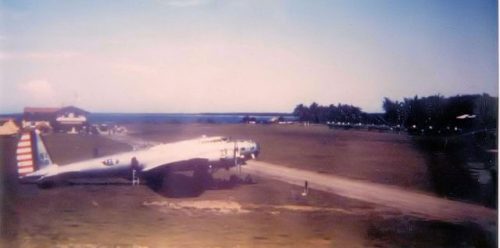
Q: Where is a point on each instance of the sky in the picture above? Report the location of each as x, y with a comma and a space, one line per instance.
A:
242, 55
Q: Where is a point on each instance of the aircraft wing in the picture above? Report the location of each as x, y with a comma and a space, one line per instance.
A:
184, 154
34, 163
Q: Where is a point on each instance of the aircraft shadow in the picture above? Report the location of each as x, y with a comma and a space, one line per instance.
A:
96, 183
177, 185
185, 186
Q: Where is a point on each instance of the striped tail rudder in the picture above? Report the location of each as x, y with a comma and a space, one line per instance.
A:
24, 155
31, 154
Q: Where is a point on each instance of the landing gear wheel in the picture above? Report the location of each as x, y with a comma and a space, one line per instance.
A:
157, 181
202, 177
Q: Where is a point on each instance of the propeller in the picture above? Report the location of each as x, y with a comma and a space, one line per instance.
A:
236, 154
256, 151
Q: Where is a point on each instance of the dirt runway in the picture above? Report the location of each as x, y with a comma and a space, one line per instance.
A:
409, 202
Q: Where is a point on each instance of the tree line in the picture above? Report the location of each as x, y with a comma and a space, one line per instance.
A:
431, 114
340, 113
439, 114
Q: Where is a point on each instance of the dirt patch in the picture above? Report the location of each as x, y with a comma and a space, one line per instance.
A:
233, 207
216, 206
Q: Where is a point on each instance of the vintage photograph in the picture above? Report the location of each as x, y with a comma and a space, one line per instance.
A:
249, 123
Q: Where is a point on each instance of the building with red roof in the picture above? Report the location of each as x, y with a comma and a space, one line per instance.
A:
68, 119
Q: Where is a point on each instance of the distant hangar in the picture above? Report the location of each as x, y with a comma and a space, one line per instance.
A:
67, 119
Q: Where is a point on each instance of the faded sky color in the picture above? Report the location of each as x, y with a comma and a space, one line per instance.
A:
242, 55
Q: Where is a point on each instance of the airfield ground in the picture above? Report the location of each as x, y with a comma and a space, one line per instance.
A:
111, 213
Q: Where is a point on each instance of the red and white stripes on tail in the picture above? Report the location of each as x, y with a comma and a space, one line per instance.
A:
24, 154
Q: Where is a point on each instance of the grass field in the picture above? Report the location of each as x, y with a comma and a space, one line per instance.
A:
266, 214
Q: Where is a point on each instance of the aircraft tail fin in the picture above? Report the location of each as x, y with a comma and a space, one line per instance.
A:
31, 153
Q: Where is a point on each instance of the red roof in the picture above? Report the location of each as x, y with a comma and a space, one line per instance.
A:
40, 110
52, 110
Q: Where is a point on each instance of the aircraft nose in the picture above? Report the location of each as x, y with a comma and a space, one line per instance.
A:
257, 149
250, 149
